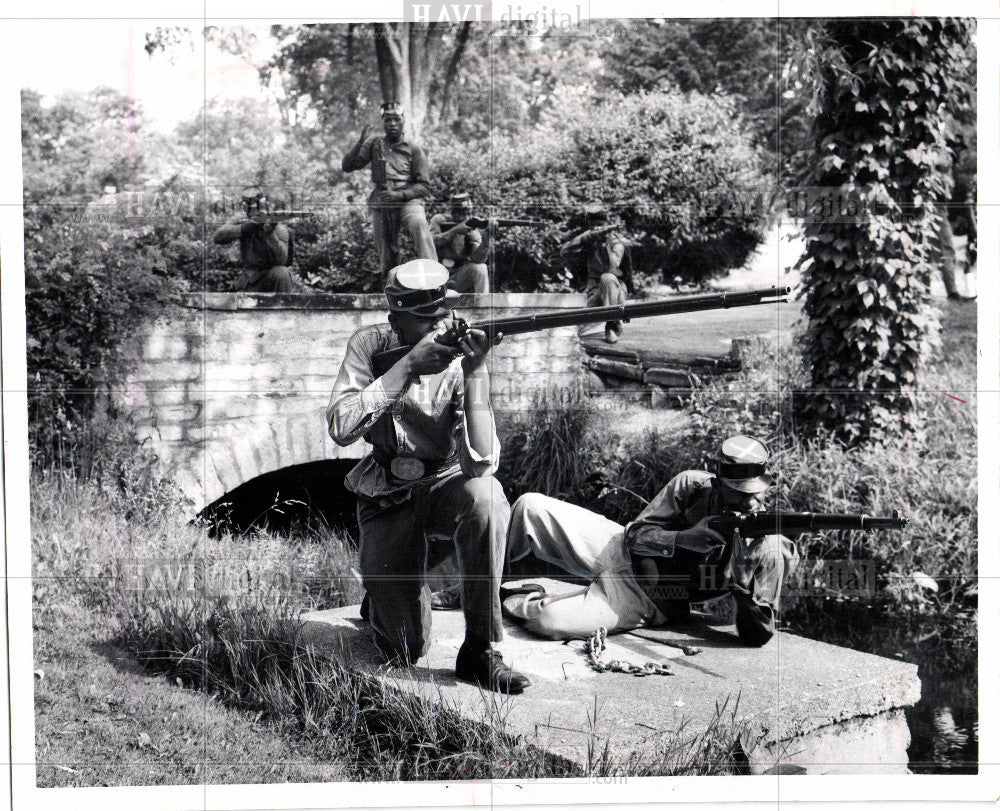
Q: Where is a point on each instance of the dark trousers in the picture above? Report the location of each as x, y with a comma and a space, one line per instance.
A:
271, 280
388, 221
475, 514
753, 574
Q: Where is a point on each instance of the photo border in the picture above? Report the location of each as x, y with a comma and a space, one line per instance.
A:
521, 793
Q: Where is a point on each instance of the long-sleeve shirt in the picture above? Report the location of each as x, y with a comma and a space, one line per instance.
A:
456, 248
426, 422
262, 245
687, 498
399, 166
606, 257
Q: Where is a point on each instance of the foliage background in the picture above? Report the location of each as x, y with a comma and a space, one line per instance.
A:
880, 140
673, 124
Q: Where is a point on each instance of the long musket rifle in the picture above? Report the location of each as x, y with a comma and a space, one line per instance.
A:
499, 222
521, 324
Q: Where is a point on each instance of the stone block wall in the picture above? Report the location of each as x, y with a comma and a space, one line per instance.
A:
233, 385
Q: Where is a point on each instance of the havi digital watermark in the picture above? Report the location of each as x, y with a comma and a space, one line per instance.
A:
535, 17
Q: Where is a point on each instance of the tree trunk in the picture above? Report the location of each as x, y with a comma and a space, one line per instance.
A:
879, 145
407, 55
451, 73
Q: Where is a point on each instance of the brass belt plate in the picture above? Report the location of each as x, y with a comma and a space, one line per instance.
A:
407, 468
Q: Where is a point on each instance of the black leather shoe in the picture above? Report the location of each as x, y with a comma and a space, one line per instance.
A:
486, 668
754, 624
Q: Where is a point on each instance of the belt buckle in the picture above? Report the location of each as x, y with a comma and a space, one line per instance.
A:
407, 468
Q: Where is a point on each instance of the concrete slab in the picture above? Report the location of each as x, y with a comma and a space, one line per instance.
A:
792, 690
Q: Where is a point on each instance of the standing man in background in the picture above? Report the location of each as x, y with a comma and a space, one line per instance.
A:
399, 173
266, 249
462, 248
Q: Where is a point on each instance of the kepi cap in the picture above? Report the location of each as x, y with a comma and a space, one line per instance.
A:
461, 200
252, 194
742, 465
417, 287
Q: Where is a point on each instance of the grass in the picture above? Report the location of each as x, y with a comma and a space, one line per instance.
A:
101, 720
189, 643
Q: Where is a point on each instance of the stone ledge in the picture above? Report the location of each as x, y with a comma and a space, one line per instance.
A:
787, 690
373, 301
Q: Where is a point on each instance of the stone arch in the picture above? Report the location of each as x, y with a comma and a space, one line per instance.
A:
230, 460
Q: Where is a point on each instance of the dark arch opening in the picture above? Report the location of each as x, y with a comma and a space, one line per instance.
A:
287, 499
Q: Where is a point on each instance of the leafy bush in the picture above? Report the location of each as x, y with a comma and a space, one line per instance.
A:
676, 168
335, 251
87, 288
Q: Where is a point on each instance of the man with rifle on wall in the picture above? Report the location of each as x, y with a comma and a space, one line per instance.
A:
703, 536
599, 250
462, 247
266, 245
463, 243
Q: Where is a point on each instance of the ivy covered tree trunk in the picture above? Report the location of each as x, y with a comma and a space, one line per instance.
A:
880, 157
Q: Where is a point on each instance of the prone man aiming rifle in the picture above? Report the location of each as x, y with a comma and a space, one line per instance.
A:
519, 325
758, 524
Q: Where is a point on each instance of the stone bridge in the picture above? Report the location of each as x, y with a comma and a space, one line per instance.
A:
229, 386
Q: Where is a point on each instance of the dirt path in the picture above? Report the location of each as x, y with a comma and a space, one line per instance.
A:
710, 334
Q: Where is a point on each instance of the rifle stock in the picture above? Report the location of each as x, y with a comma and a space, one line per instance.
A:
518, 325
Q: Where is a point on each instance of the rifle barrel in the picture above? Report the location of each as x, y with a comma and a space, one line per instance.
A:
516, 325
777, 522
502, 222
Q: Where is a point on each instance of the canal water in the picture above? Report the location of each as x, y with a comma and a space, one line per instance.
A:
944, 724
